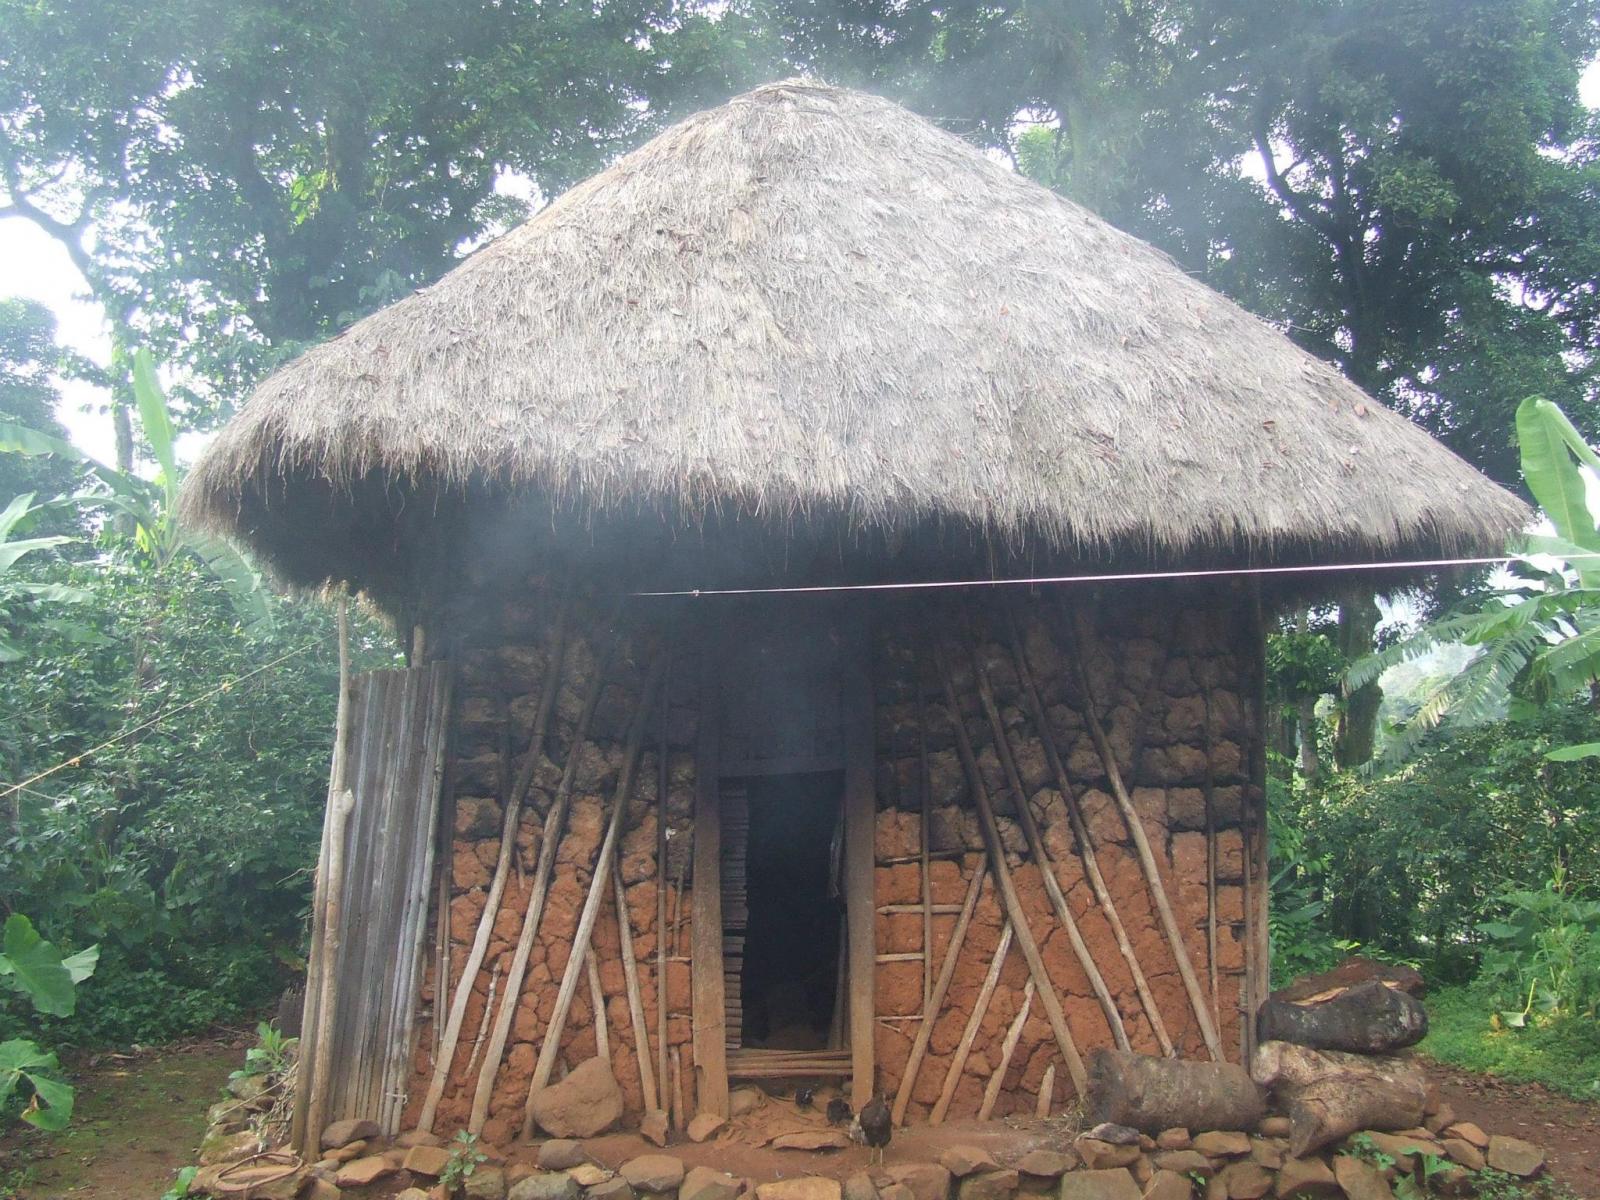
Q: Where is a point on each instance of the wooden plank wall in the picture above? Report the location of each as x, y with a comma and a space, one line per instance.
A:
394, 759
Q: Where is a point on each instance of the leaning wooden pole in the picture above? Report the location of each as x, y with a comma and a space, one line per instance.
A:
997, 1080
630, 976
1030, 831
1141, 843
328, 1000
1002, 878
980, 1009
551, 1045
550, 836
947, 972
312, 1029
1080, 834
497, 886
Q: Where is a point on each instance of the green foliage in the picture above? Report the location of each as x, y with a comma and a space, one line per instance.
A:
1561, 1052
1411, 863
465, 1158
32, 966
1544, 953
180, 1184
183, 845
1302, 940
270, 1055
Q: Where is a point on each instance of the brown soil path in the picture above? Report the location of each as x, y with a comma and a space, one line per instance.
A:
1568, 1130
139, 1118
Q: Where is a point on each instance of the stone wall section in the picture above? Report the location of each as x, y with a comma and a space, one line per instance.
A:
1170, 685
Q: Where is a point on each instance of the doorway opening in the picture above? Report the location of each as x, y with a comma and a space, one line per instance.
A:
790, 967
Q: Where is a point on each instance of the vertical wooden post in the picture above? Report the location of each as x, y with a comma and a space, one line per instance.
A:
705, 939
1258, 944
860, 825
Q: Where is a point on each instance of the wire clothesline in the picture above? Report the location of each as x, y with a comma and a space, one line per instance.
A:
26, 785
923, 585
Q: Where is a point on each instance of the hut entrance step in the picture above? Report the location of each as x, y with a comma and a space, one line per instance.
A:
788, 1064
781, 907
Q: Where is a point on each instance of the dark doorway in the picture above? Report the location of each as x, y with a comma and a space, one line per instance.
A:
789, 977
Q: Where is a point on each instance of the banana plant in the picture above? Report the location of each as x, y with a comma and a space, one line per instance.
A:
150, 505
1539, 636
12, 550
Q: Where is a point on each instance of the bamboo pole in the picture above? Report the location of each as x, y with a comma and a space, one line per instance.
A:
630, 974
1080, 834
550, 838
947, 971
328, 1000
483, 1025
597, 889
597, 1001
991, 1093
1147, 859
311, 1027
497, 885
1047, 1093
924, 789
663, 782
1008, 893
1030, 831
980, 1008
1209, 793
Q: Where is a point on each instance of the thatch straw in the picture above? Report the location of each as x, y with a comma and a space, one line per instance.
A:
810, 301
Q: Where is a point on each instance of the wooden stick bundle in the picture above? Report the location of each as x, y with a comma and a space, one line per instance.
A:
991, 1093
1002, 876
947, 971
980, 1008
1080, 834
497, 886
1030, 831
551, 1045
1141, 843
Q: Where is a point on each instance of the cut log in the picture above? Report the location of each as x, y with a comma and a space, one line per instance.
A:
1354, 970
1152, 1094
1328, 1094
1369, 1017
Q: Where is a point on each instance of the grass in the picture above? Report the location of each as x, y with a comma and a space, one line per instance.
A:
1563, 1054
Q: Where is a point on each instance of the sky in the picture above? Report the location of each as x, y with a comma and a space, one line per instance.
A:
34, 266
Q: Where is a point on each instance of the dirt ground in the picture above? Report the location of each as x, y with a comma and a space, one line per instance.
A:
140, 1117
1569, 1130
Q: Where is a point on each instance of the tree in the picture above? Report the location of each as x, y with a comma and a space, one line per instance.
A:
29, 359
235, 180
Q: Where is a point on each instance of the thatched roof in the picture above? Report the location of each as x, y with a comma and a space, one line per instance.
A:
810, 301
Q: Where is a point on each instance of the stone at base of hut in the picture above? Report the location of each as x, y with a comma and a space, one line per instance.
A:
1468, 1132
1169, 1185
587, 1175
811, 1139
486, 1183
361, 1171
615, 1188
1514, 1156
1174, 1139
418, 1137
1244, 1181
925, 1181
546, 1185
588, 1101
705, 1125
811, 1187
1305, 1177
704, 1183
653, 1172
962, 1161
1100, 1155
1360, 1180
221, 1148
342, 1133
322, 1189
988, 1185
426, 1160
561, 1154
1221, 1143
1116, 1184
744, 1100
411, 1193
1184, 1162
859, 1187
1274, 1127
209, 1181
1046, 1164
653, 1127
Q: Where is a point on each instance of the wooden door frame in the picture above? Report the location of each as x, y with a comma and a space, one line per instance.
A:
860, 825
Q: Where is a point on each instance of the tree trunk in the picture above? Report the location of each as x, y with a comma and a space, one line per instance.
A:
1152, 1094
1306, 724
1366, 1018
1356, 733
1328, 1094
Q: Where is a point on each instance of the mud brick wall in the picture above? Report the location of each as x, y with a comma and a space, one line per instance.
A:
1170, 684
504, 664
